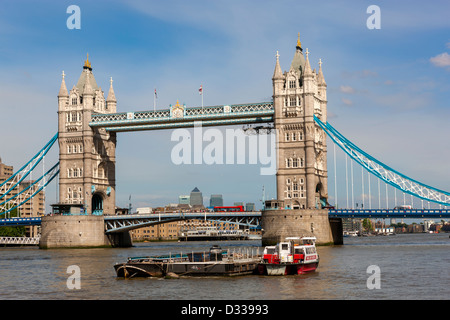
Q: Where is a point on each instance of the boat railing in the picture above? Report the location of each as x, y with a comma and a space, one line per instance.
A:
235, 254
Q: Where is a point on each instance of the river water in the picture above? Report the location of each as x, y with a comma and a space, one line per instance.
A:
410, 266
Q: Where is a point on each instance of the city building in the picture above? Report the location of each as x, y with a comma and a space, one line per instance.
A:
216, 200
5, 171
249, 206
196, 197
163, 231
32, 208
144, 210
184, 199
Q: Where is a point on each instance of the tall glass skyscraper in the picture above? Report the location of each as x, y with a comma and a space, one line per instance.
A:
216, 200
196, 197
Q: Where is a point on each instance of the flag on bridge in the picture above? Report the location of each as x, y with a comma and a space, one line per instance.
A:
200, 90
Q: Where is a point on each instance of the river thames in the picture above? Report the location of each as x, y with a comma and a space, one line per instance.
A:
411, 267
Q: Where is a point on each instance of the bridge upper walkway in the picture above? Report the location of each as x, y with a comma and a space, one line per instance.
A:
185, 117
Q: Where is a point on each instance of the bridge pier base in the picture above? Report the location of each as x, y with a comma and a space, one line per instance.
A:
78, 232
279, 224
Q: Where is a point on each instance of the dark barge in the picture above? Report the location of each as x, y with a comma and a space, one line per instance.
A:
216, 262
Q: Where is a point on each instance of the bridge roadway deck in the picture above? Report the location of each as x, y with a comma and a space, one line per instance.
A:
249, 219
127, 222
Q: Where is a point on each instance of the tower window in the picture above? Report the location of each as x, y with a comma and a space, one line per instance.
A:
292, 101
287, 136
292, 84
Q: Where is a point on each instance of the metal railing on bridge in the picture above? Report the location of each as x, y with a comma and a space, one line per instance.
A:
19, 241
163, 119
389, 213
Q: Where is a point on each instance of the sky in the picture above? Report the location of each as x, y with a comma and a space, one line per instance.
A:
388, 88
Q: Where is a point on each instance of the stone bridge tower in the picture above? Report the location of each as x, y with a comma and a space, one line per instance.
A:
302, 191
299, 94
87, 156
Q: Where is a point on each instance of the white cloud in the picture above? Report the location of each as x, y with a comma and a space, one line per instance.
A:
347, 102
441, 60
347, 89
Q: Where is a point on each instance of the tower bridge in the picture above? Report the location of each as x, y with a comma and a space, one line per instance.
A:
88, 124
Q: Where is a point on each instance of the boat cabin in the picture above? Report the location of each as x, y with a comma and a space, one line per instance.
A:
294, 250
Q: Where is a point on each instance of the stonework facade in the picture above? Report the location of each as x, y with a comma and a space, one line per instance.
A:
298, 94
87, 155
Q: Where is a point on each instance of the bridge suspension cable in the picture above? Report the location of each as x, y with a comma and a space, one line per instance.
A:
384, 172
12, 182
30, 191
34, 187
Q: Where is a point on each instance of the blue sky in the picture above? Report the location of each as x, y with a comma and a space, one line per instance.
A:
388, 89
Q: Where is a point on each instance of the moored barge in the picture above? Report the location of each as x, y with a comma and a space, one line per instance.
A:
216, 262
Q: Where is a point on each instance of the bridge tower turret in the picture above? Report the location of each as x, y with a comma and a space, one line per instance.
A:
87, 155
298, 95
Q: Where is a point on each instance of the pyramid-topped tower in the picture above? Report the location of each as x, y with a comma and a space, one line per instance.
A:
87, 155
298, 95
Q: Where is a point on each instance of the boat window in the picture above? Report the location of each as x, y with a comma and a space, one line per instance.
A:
284, 246
270, 250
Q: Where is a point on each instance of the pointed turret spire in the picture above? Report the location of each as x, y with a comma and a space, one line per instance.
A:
299, 44
277, 74
307, 65
111, 96
63, 89
87, 89
298, 62
87, 64
320, 78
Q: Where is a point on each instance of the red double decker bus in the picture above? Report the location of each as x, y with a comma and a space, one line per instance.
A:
229, 209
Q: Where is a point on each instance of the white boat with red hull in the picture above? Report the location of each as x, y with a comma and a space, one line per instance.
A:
293, 256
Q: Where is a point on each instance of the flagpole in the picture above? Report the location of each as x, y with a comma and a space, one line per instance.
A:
201, 93
154, 101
